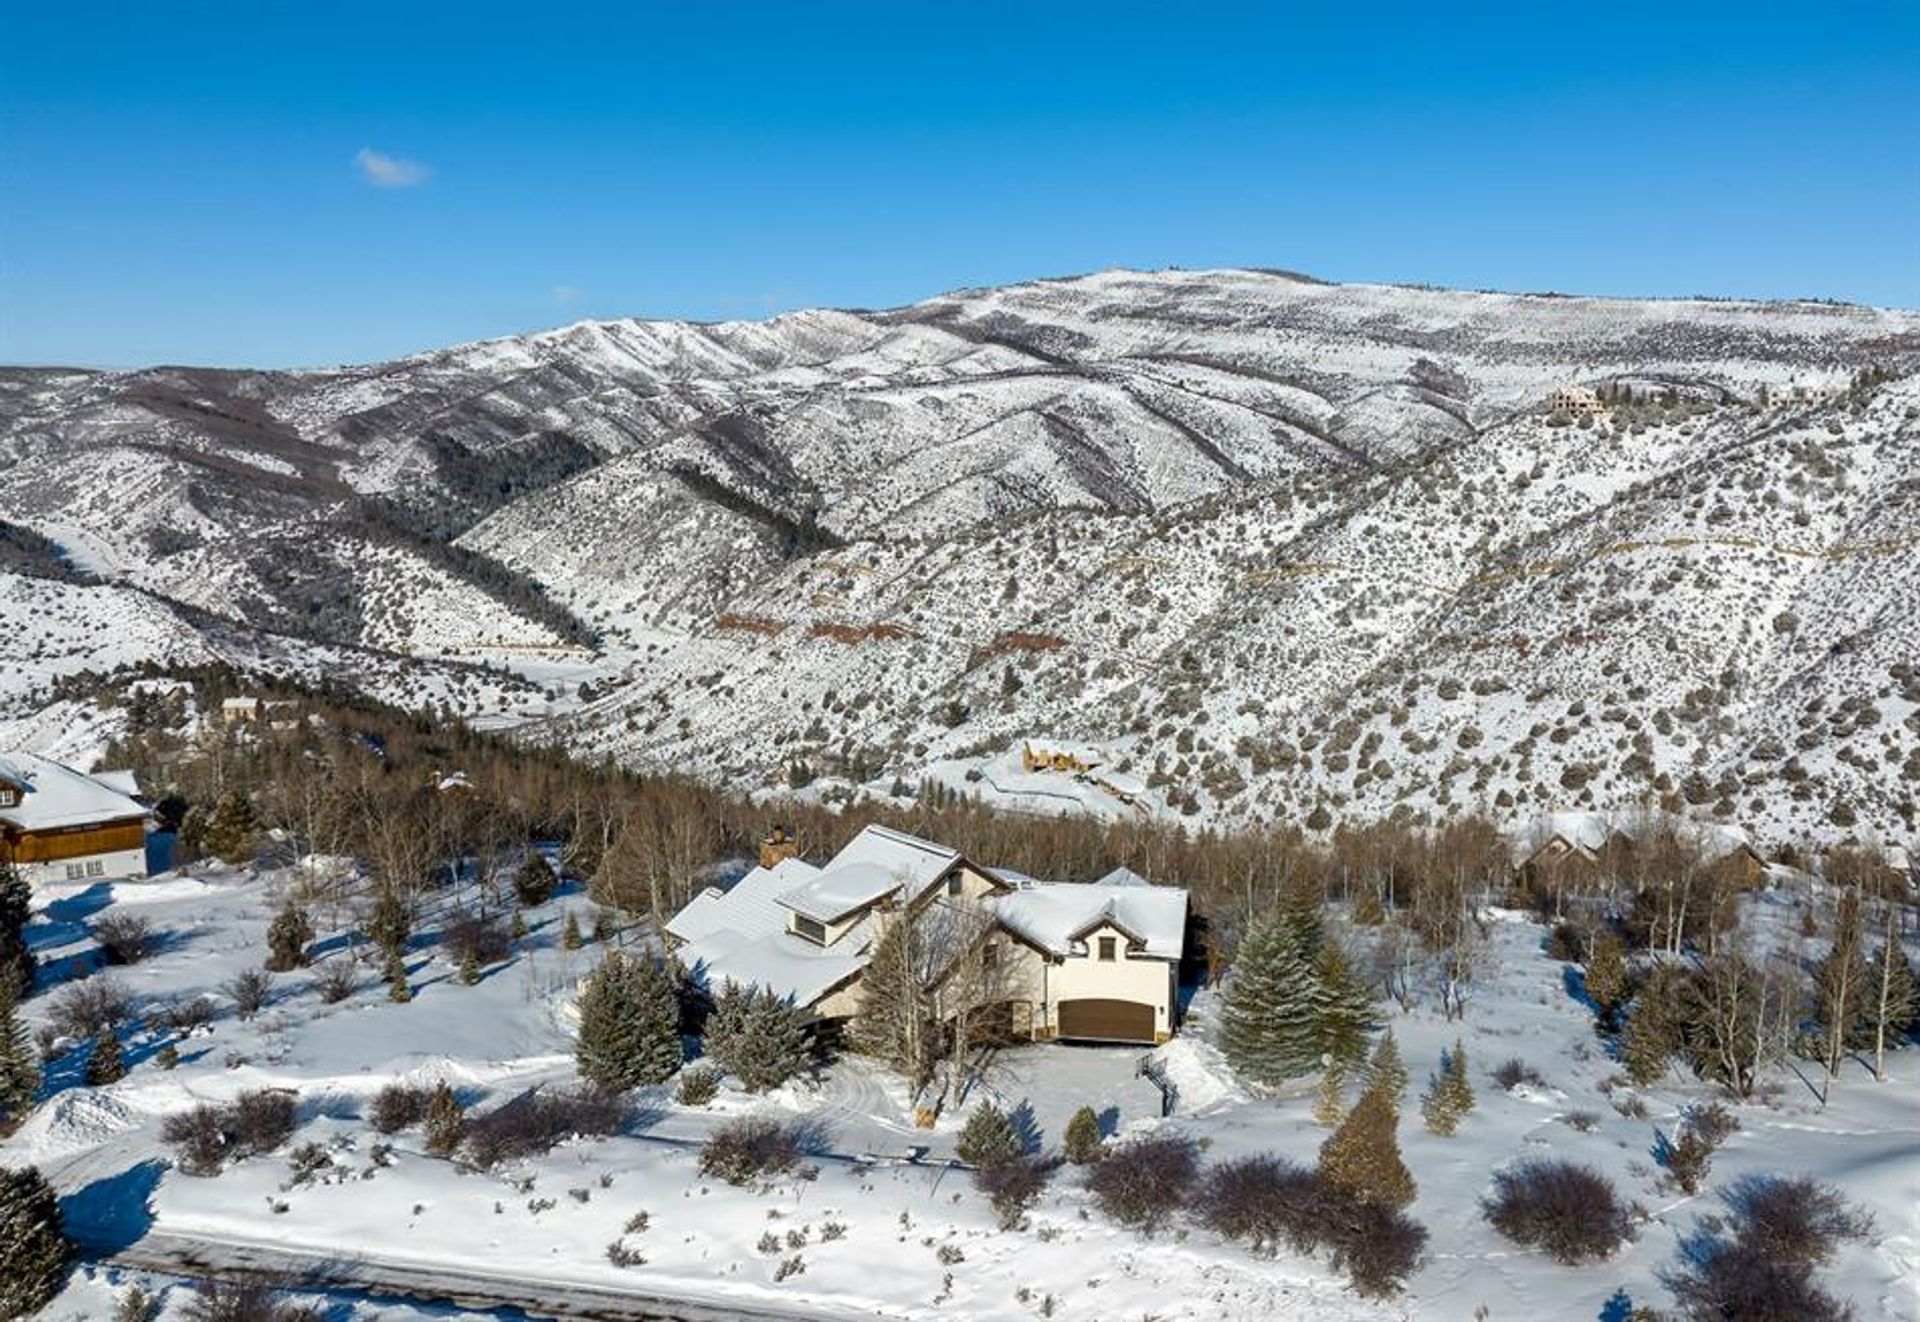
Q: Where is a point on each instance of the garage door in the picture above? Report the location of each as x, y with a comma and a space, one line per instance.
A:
1107, 1021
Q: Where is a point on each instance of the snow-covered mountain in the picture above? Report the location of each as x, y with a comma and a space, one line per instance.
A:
1270, 543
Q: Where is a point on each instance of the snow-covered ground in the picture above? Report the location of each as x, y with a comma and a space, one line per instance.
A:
887, 1228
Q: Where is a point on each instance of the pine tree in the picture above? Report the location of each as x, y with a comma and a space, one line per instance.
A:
397, 989
1891, 998
287, 939
629, 1025
1331, 1108
469, 965
570, 934
771, 1045
1362, 1157
1268, 1028
1449, 1094
1458, 1087
1652, 1033
19, 1067
1385, 1073
34, 1251
1342, 1009
232, 829
16, 908
167, 1057
1367, 908
390, 925
1081, 1142
517, 929
1606, 979
104, 1062
987, 1139
533, 883
444, 1123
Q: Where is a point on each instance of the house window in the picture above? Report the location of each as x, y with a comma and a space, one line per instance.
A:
807, 928
1106, 949
75, 872
953, 886
96, 868
990, 955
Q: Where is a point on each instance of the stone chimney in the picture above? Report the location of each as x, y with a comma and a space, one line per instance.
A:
779, 844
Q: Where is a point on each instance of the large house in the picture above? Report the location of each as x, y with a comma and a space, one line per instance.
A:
1095, 961
1561, 841
58, 824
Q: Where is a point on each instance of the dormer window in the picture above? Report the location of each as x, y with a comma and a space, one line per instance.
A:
810, 930
1107, 951
953, 886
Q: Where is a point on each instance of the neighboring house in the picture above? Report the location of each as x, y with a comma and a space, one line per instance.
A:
1097, 961
1562, 840
58, 824
277, 713
1046, 755
1575, 400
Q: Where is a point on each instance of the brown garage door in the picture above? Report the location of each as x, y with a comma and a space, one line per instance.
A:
1107, 1021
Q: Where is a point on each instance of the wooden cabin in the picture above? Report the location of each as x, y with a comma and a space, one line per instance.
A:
58, 824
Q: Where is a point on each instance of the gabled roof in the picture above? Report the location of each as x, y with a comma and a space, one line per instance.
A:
1589, 832
55, 796
739, 937
1059, 916
874, 864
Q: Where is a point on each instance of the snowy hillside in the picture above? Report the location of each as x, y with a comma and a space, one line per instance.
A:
1274, 543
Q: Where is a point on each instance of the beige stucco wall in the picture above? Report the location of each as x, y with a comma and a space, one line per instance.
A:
1127, 977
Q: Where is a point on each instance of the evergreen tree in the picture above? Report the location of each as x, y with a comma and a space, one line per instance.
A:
287, 939
987, 1139
1891, 998
1368, 911
1341, 1006
1606, 978
1362, 1157
1653, 1030
1449, 1094
232, 829
1268, 1028
19, 1067
772, 1045
397, 989
1385, 1073
444, 1122
533, 883
16, 907
33, 1245
390, 925
629, 1025
1331, 1108
570, 934
104, 1063
167, 1057
517, 929
469, 965
1081, 1142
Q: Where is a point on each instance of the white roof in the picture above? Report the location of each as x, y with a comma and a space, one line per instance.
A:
873, 864
57, 796
1058, 916
739, 937
1590, 831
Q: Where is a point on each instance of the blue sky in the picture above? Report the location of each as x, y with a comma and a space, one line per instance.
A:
279, 185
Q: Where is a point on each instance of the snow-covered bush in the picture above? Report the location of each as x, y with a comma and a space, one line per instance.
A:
396, 1107
125, 937
536, 1122
249, 989
1562, 1207
229, 1301
91, 1006
1265, 1201
1145, 1181
1011, 1184
205, 1137
1376, 1246
698, 1085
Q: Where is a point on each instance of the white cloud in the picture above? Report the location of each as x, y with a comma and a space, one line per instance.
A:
565, 294
384, 171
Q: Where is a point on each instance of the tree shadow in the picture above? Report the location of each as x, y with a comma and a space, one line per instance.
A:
1574, 979
1109, 1120
1026, 1128
1618, 1307
113, 1213
813, 1136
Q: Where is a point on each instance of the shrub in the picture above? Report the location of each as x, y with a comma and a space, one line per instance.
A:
1713, 1122
533, 882
1266, 1201
198, 1139
1376, 1246
287, 939
90, 1007
230, 1301
1011, 1186
476, 941
249, 990
1145, 1181
1082, 1142
126, 938
1564, 943
536, 1122
260, 1120
1513, 1072
698, 1086
1568, 1210
1736, 1279
336, 979
253, 1123
396, 1107
186, 1014
1796, 1220
749, 1148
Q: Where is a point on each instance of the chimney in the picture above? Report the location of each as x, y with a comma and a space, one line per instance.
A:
779, 844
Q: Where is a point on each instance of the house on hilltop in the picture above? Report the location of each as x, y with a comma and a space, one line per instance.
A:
1575, 400
58, 824
1047, 755
1560, 842
1096, 961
